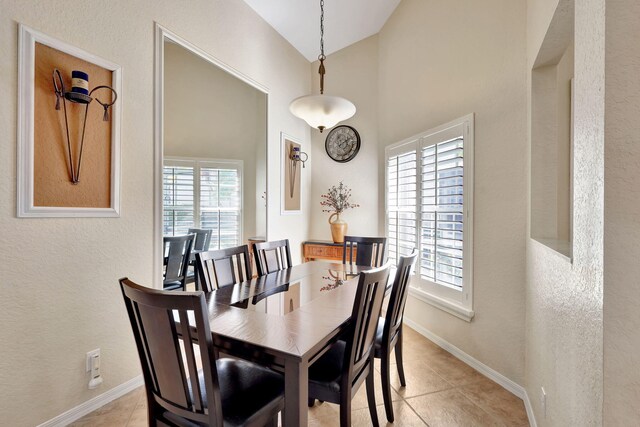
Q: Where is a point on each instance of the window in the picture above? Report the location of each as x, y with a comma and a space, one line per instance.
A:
203, 194
429, 189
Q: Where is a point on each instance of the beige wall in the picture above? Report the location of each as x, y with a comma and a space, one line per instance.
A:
431, 63
564, 298
61, 297
210, 114
353, 74
622, 215
439, 61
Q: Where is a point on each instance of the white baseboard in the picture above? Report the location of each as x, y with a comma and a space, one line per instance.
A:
493, 375
97, 402
529, 408
91, 405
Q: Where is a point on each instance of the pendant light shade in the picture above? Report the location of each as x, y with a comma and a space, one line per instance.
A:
322, 111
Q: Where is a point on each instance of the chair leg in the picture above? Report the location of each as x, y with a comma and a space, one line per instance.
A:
311, 402
371, 394
403, 382
386, 384
345, 408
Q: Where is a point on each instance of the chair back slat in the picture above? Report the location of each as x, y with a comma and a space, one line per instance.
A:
166, 327
142, 344
225, 271
364, 317
272, 256
177, 251
223, 267
163, 353
398, 297
203, 238
189, 356
368, 250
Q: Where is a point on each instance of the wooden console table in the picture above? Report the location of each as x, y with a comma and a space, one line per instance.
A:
250, 242
322, 249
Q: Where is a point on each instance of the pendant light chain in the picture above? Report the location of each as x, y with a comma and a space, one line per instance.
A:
321, 57
322, 111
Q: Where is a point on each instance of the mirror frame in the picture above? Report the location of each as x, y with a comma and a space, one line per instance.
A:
162, 34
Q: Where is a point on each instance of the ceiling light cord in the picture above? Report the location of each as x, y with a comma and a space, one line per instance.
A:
322, 111
321, 57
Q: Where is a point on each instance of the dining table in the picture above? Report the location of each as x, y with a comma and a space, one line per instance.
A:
285, 320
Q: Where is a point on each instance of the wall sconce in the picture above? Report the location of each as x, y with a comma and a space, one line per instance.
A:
298, 156
295, 156
79, 94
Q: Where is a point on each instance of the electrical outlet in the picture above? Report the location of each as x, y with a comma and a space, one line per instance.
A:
543, 402
90, 356
93, 366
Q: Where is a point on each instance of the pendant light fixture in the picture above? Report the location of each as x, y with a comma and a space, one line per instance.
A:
322, 111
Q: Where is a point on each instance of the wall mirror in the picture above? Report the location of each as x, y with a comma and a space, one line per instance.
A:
211, 140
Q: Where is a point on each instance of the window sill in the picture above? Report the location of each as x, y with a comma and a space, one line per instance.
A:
561, 247
443, 304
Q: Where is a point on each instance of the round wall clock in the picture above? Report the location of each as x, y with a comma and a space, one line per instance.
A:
342, 143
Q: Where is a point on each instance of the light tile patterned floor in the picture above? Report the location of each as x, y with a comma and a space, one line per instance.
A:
441, 391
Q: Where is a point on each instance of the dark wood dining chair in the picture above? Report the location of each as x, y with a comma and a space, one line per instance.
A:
203, 238
369, 250
339, 373
200, 243
177, 252
223, 267
389, 333
225, 392
272, 256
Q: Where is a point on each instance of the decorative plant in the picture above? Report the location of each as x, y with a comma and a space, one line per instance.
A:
336, 200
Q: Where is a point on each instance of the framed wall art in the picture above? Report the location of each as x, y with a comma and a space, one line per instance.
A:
292, 163
69, 112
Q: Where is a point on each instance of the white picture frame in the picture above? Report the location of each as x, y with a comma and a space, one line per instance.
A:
27, 39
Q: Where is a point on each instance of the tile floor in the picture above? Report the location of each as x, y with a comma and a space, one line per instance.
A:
441, 391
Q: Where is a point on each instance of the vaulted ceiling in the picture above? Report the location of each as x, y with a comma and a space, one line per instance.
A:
345, 21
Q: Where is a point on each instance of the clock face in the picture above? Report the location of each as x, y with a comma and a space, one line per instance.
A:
342, 143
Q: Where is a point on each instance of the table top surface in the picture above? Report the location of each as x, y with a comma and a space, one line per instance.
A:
288, 312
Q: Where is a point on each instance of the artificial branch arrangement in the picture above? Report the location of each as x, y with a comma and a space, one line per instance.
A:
336, 200
333, 283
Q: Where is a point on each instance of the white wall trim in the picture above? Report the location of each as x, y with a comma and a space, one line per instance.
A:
443, 304
27, 38
488, 372
529, 408
162, 34
91, 405
458, 302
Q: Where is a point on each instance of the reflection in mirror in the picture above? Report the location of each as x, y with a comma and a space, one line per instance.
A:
214, 166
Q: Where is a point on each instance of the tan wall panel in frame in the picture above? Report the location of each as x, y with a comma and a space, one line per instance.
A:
51, 173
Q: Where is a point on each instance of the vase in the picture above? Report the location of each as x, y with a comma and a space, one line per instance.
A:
338, 228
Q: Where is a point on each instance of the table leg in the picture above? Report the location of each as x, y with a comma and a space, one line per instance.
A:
296, 392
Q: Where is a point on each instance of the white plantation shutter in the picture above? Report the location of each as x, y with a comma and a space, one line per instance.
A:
204, 194
401, 203
178, 199
441, 254
429, 205
220, 205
